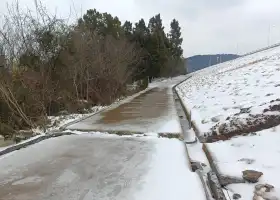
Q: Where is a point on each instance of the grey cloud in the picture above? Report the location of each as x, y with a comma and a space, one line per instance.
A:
208, 26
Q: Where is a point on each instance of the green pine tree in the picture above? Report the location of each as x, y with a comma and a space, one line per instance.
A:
176, 39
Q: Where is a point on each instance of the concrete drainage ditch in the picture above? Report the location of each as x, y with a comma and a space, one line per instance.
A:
209, 179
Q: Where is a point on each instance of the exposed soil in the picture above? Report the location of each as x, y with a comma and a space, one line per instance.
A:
235, 126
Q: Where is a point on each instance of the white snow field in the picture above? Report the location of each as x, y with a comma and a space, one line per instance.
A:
235, 107
228, 98
259, 152
101, 167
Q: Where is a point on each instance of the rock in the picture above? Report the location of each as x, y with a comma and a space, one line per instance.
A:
268, 187
195, 166
236, 196
2, 137
253, 134
262, 191
247, 160
216, 118
259, 186
204, 121
251, 176
203, 165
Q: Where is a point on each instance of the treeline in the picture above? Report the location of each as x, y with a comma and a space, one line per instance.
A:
52, 66
161, 52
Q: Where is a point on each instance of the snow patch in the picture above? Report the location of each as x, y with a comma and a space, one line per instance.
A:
171, 178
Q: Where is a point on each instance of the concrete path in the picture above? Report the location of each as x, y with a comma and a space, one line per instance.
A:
151, 111
87, 167
74, 168
107, 167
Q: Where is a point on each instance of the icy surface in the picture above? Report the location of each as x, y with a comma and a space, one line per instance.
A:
100, 167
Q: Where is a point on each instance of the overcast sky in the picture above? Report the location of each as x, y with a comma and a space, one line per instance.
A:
208, 26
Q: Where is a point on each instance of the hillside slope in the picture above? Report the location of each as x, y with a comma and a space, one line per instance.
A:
199, 62
235, 107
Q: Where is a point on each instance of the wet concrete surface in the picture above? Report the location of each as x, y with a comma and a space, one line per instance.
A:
147, 112
76, 168
104, 167
148, 105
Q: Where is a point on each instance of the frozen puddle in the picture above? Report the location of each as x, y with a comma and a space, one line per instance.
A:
151, 111
100, 167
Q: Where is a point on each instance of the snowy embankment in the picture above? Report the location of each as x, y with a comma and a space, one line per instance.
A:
58, 121
236, 97
235, 107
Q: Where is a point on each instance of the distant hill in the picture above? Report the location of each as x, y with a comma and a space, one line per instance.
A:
198, 62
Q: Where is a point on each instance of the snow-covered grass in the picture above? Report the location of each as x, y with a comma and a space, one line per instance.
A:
58, 121
259, 151
233, 97
237, 104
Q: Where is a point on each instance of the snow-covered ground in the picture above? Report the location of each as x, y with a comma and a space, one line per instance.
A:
58, 121
239, 102
260, 151
79, 167
233, 97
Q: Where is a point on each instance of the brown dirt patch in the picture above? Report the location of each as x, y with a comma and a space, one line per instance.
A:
235, 126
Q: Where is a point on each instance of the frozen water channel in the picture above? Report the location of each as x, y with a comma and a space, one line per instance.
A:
91, 167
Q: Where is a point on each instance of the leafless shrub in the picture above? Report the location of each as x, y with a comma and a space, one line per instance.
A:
52, 66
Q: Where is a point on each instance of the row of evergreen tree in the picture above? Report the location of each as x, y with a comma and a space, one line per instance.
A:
162, 53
